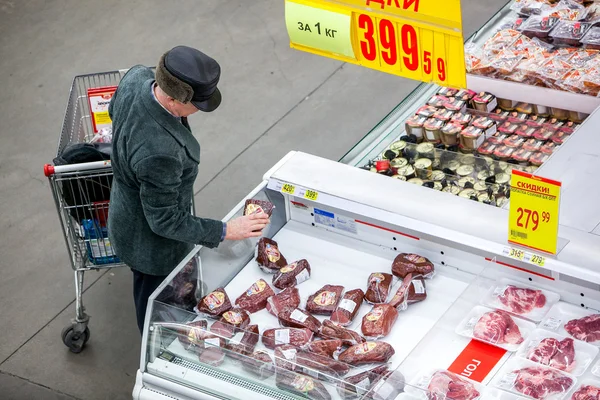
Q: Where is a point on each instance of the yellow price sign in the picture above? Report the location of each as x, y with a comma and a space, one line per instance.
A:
311, 195
288, 188
533, 216
415, 39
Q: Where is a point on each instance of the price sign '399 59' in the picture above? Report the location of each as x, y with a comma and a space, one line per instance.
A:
416, 39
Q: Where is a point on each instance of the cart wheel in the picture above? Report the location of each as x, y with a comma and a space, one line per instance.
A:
73, 340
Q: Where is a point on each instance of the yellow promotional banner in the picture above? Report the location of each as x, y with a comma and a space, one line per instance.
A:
409, 38
533, 216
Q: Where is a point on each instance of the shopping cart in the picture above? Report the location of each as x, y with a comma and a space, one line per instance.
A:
81, 193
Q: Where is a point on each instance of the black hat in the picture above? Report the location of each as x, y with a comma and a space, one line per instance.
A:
188, 75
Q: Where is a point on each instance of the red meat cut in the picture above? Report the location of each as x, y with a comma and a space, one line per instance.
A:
367, 353
193, 334
325, 300
255, 297
245, 345
557, 354
522, 300
279, 336
446, 385
259, 364
348, 307
586, 328
587, 392
417, 291
415, 264
325, 347
292, 274
329, 330
268, 256
302, 384
257, 206
231, 322
497, 327
297, 318
357, 385
215, 303
540, 383
379, 321
400, 299
379, 287
288, 298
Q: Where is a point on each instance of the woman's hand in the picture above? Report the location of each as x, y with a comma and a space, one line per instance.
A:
247, 226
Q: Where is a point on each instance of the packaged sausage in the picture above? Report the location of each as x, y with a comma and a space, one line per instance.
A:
400, 299
259, 364
378, 287
297, 318
367, 353
255, 298
288, 298
303, 385
294, 359
272, 338
215, 303
405, 264
378, 322
292, 274
417, 290
325, 347
193, 333
257, 206
245, 344
325, 300
330, 330
231, 322
268, 256
348, 307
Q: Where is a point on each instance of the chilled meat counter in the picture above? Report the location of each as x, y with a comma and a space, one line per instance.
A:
361, 288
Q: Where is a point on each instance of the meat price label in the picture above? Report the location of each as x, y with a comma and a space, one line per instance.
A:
533, 216
415, 39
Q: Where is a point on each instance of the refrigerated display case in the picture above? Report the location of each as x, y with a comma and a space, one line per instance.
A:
349, 223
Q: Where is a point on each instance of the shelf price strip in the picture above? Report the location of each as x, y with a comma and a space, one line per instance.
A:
409, 38
533, 216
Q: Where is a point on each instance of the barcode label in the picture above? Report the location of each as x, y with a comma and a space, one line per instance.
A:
298, 315
348, 305
289, 354
282, 336
552, 323
518, 234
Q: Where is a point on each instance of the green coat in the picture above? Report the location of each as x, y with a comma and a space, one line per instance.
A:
155, 161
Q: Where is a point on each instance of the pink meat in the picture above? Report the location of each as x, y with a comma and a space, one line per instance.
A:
586, 328
540, 383
544, 351
587, 392
445, 385
522, 300
497, 327
557, 354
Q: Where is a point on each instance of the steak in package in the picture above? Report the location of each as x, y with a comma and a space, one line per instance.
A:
231, 322
379, 287
280, 336
211, 352
378, 322
293, 359
446, 385
288, 298
193, 334
303, 385
415, 264
268, 256
292, 275
285, 357
257, 206
246, 344
215, 303
326, 347
356, 386
297, 318
417, 291
259, 364
348, 307
330, 330
255, 298
325, 300
400, 299
367, 353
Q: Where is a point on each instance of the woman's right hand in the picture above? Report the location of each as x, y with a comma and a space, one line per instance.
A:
246, 226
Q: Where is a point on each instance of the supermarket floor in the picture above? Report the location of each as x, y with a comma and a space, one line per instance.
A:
275, 100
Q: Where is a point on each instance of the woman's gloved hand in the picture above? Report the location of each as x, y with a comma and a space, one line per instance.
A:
247, 226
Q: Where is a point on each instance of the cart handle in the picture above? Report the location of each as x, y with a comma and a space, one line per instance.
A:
50, 169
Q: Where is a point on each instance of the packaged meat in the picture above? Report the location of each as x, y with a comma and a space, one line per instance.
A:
259, 364
588, 389
292, 274
524, 377
569, 33
591, 40
257, 206
378, 322
558, 351
330, 330
285, 357
272, 338
325, 300
294, 359
297, 318
416, 290
348, 307
496, 327
539, 26
192, 333
519, 298
400, 299
245, 344
388, 387
576, 322
231, 322
405, 264
255, 297
289, 297
215, 303
268, 256
325, 347
378, 287
367, 353
213, 356
440, 384
303, 385
356, 386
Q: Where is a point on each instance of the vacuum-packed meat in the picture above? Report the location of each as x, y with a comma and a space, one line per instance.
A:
279, 336
400, 299
294, 359
387, 388
292, 274
555, 353
259, 364
416, 290
231, 322
522, 300
288, 298
446, 385
540, 383
257, 206
325, 347
215, 303
348, 307
255, 298
193, 333
325, 300
586, 392
303, 385
268, 256
586, 329
246, 344
415, 264
378, 287
366, 353
285, 357
497, 327
356, 386
297, 318
330, 330
213, 356
379, 321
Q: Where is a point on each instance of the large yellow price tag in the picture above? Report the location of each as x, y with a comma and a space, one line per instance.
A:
533, 217
311, 195
415, 39
288, 188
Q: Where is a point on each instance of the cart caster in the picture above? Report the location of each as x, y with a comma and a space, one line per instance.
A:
74, 340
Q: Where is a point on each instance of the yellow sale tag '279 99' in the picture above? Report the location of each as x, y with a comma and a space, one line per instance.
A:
533, 217
416, 39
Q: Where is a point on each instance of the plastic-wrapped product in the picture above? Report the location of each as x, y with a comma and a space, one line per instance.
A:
289, 297
348, 307
417, 290
367, 353
193, 334
387, 388
303, 385
442, 384
587, 390
325, 300
272, 338
297, 318
259, 364
330, 330
378, 322
294, 359
574, 321
257, 206
245, 345
356, 386
503, 39
400, 299
215, 303
405, 264
325, 347
255, 298
292, 274
591, 40
378, 287
268, 256
231, 322
539, 26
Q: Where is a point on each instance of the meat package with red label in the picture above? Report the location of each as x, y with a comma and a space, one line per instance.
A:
330, 330
245, 346
259, 364
325, 347
446, 385
297, 318
348, 307
231, 322
215, 303
367, 353
268, 256
378, 322
325, 300
288, 298
257, 206
378, 287
292, 274
255, 297
415, 264
279, 336
302, 385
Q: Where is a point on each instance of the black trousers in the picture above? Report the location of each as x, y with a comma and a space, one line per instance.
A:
143, 286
